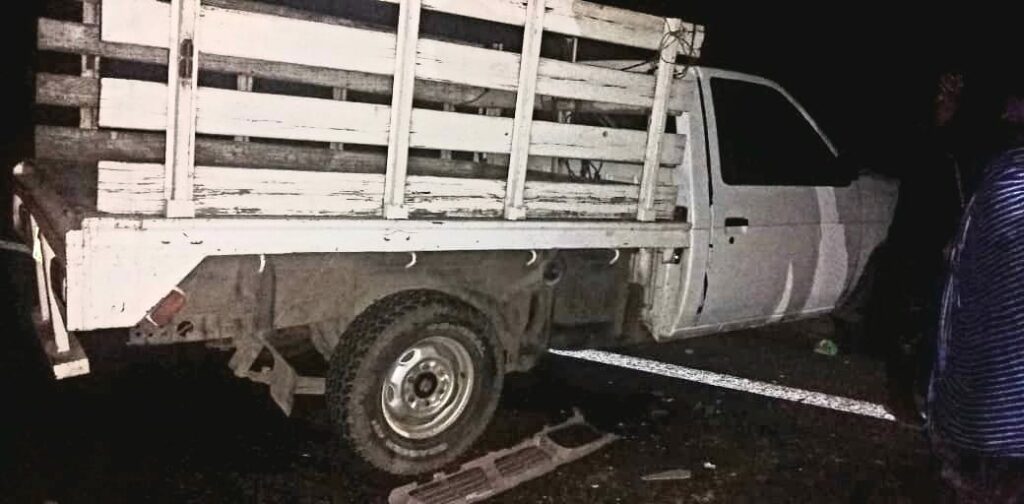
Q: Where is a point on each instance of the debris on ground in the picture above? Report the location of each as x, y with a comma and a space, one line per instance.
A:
709, 465
670, 475
705, 497
826, 347
502, 470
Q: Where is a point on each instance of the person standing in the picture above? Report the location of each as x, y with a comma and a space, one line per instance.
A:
976, 395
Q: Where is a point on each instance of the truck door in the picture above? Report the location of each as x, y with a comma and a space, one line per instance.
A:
780, 240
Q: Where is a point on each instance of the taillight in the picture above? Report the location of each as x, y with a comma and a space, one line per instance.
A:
167, 308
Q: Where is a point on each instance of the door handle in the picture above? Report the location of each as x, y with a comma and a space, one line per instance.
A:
735, 226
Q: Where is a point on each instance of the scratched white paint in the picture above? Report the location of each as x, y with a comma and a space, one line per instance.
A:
137, 189
832, 267
787, 293
120, 267
821, 400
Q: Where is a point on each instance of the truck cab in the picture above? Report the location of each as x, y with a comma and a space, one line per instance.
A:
782, 227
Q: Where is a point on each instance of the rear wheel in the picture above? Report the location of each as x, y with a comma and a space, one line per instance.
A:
413, 382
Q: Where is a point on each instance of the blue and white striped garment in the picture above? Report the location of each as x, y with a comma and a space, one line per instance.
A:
977, 389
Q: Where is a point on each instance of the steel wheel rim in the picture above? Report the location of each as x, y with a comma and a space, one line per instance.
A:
427, 388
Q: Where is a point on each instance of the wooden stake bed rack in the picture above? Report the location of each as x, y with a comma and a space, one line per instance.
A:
232, 127
470, 132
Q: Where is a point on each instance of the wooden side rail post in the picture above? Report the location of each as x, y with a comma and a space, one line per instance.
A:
340, 94
182, 69
659, 113
89, 116
401, 109
525, 97
244, 82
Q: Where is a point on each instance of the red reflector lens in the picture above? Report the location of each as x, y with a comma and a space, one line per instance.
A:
167, 308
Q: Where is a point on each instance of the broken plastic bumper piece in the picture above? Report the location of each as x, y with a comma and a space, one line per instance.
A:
501, 470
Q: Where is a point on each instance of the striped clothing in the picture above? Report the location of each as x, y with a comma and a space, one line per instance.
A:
977, 390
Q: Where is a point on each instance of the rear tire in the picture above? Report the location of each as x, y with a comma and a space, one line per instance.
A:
413, 382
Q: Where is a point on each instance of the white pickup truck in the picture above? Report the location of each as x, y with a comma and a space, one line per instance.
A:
428, 213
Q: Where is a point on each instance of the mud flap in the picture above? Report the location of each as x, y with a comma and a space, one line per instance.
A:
502, 470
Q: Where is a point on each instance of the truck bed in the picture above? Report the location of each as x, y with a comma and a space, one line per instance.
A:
297, 147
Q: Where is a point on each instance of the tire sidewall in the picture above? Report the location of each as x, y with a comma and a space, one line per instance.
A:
385, 449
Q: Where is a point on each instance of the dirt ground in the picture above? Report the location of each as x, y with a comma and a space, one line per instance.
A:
172, 425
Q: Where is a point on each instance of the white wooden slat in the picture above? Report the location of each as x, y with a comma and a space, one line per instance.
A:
436, 129
664, 77
136, 22
526, 94
270, 38
182, 81
232, 191
126, 188
397, 163
131, 104
476, 66
559, 200
139, 105
136, 188
256, 36
580, 81
455, 197
595, 142
265, 37
575, 18
130, 188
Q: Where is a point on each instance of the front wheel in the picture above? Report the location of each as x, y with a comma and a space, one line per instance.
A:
413, 382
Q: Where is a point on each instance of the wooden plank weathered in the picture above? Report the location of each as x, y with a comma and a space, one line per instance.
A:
401, 110
90, 146
243, 34
133, 104
70, 37
522, 125
136, 188
664, 79
180, 112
